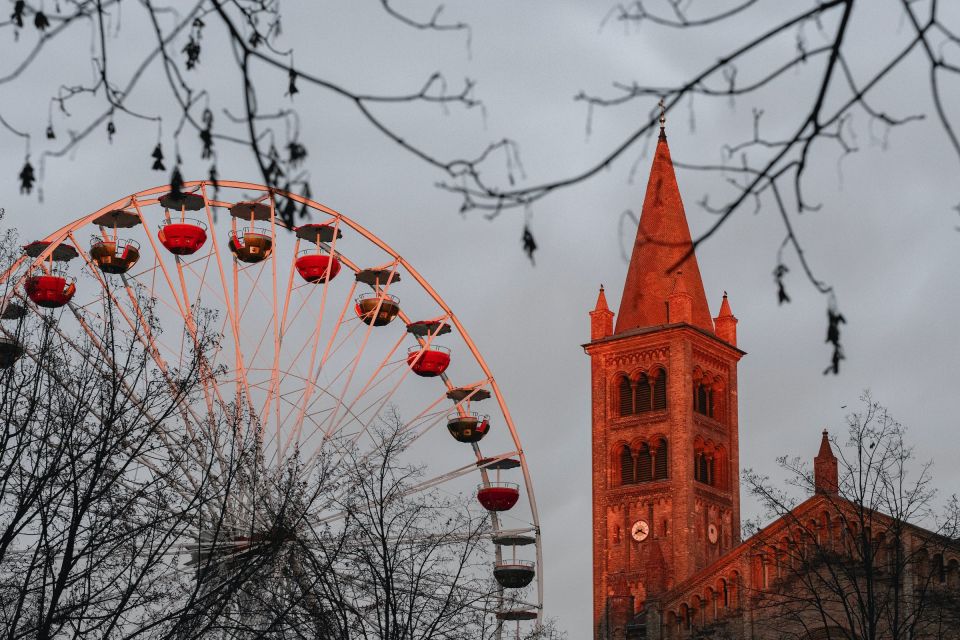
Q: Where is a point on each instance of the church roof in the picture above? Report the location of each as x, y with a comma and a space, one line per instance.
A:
662, 254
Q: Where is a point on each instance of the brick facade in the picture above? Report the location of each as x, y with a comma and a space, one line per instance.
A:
689, 507
667, 552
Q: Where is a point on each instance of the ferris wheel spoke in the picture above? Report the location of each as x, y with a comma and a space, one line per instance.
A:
371, 382
241, 386
277, 322
363, 345
425, 344
191, 325
314, 374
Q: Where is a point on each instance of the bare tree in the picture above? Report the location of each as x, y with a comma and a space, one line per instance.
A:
94, 492
874, 557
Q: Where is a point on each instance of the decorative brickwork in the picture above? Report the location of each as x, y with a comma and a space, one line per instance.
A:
655, 523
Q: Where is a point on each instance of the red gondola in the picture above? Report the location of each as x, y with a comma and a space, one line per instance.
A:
498, 496
183, 237
513, 574
468, 428
50, 291
377, 309
114, 256
428, 362
313, 265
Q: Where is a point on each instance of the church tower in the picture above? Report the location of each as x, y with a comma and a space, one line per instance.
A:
666, 498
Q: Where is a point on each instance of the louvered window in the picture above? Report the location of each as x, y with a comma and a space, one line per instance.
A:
643, 394
660, 468
626, 396
703, 400
660, 391
644, 470
700, 467
626, 466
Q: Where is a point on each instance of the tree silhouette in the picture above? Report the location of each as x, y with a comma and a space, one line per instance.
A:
878, 558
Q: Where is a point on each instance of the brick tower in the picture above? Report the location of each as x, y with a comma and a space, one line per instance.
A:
666, 498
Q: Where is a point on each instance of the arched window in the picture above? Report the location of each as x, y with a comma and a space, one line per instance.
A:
626, 466
700, 472
644, 470
660, 464
703, 399
626, 396
660, 390
642, 396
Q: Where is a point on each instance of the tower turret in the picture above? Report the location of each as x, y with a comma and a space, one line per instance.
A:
825, 475
725, 324
601, 318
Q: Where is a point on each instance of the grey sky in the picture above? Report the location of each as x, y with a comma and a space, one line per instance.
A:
885, 237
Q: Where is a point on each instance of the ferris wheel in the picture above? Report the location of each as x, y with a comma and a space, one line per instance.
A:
322, 329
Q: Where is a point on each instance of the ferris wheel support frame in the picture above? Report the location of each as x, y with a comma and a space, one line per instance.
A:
139, 198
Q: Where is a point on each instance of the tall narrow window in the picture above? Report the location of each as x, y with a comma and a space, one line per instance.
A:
626, 466
644, 471
703, 400
700, 399
660, 464
626, 396
700, 464
660, 390
643, 394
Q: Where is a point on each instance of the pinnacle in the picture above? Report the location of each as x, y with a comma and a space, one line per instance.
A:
826, 451
725, 311
601, 302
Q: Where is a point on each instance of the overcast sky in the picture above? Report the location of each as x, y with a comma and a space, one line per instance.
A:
886, 236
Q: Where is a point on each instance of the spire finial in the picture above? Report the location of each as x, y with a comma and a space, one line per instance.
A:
663, 119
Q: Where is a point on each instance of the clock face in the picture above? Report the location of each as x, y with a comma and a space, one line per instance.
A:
712, 533
640, 530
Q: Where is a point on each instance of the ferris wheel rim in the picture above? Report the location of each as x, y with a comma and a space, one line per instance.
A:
59, 236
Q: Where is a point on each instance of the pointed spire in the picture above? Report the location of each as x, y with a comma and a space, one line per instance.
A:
726, 323
601, 318
601, 301
663, 244
825, 476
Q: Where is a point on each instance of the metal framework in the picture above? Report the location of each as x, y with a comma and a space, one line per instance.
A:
305, 365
